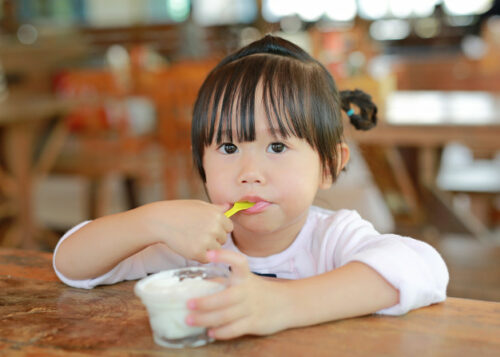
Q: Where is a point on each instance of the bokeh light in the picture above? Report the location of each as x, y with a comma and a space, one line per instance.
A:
27, 34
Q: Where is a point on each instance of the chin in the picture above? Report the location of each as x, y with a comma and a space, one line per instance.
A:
258, 226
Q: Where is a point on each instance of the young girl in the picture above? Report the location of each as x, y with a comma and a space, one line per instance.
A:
266, 128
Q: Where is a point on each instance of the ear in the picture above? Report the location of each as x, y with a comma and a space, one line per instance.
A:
343, 155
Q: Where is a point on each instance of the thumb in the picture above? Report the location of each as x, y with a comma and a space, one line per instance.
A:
227, 224
223, 206
237, 262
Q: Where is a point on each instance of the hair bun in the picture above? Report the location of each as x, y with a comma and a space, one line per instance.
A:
367, 117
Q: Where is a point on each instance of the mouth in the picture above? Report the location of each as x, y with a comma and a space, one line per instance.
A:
260, 204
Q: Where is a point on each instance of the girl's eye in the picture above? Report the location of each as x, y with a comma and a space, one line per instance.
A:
276, 148
228, 148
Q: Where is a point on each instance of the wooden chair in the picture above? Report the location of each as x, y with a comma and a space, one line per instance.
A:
101, 140
174, 92
474, 184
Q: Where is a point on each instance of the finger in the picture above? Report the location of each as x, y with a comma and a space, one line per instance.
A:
227, 224
238, 262
221, 238
232, 330
216, 318
201, 255
221, 235
213, 246
216, 301
201, 260
223, 206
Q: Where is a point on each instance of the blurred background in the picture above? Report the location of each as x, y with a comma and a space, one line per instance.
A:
96, 100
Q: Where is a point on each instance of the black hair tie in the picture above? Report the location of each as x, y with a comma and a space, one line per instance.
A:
367, 118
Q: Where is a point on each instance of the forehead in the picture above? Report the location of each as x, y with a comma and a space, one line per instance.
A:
263, 122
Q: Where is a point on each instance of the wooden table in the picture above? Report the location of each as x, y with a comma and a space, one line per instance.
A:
41, 316
28, 156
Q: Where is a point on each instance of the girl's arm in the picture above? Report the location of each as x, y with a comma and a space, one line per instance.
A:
354, 289
187, 227
253, 305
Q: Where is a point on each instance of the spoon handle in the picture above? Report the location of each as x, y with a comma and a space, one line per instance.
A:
232, 211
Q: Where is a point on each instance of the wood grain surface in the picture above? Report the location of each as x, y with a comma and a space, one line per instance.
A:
40, 316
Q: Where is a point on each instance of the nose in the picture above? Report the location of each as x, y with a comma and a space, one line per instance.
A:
251, 171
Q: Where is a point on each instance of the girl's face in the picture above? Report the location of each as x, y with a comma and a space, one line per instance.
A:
281, 175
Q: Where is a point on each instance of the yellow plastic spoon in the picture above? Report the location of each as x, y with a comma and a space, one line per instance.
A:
238, 206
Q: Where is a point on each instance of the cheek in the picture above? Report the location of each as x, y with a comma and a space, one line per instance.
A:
216, 191
300, 187
298, 182
217, 180
303, 172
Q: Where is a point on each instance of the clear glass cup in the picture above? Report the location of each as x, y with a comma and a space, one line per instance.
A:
165, 295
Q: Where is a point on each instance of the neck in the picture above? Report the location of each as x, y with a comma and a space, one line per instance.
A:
262, 243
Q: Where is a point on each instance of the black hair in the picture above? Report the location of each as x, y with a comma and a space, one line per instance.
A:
299, 96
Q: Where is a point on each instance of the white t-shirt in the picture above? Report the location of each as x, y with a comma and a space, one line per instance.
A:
328, 240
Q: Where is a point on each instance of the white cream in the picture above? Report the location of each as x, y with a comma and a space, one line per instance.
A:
173, 289
166, 296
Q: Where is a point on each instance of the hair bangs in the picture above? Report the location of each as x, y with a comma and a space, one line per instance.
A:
284, 99
239, 86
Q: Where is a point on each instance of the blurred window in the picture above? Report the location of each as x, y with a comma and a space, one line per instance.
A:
54, 12
129, 12
161, 11
435, 107
310, 10
102, 13
466, 7
224, 12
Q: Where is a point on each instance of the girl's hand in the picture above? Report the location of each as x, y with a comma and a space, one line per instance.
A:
188, 227
250, 305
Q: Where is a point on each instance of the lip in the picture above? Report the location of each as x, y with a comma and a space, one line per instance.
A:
260, 204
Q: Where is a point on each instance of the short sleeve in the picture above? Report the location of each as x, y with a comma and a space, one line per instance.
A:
413, 267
